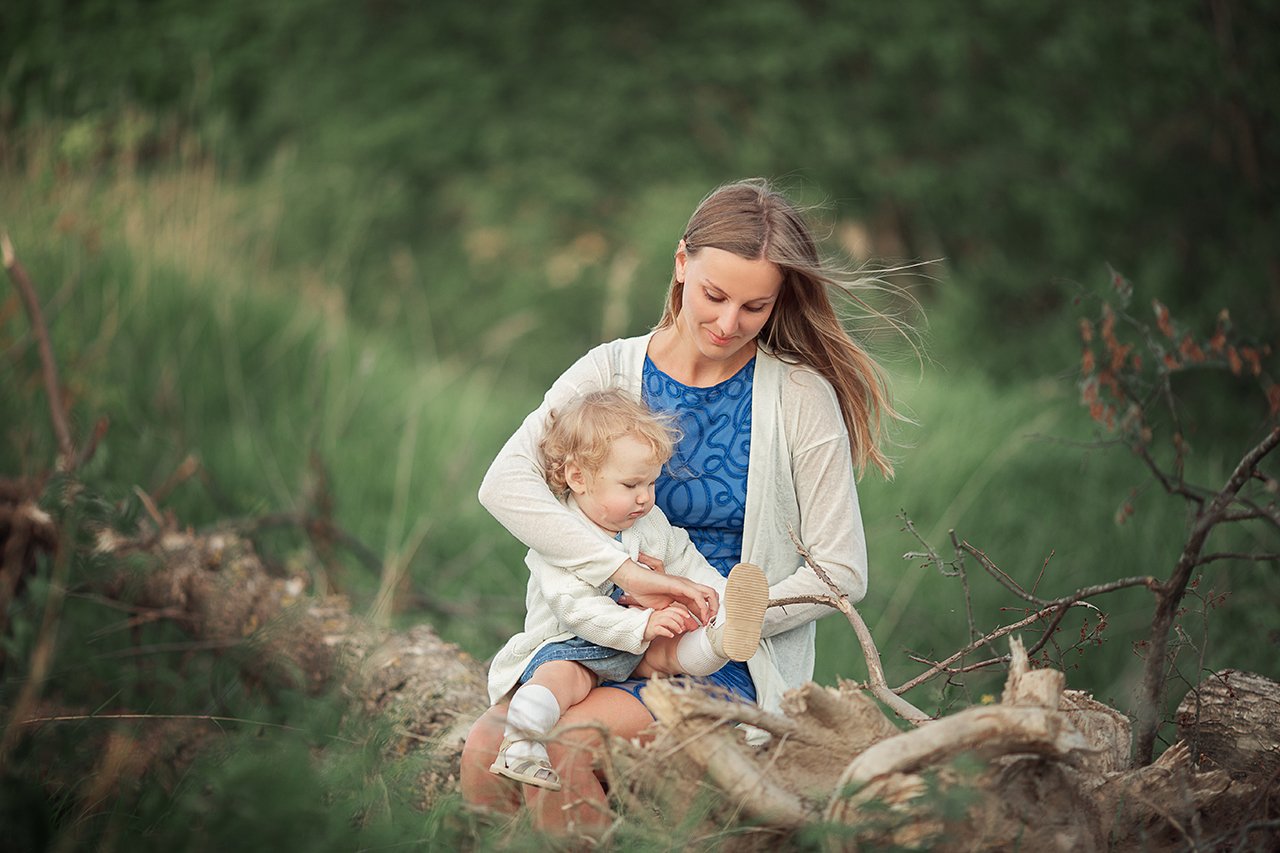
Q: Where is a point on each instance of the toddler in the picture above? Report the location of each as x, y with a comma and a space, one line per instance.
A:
602, 454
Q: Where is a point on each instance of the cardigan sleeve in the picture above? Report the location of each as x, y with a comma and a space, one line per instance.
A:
515, 493
826, 496
583, 610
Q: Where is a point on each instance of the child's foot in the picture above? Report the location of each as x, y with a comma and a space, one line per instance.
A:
746, 596
530, 766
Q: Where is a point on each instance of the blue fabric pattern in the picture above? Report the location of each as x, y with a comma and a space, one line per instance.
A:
704, 487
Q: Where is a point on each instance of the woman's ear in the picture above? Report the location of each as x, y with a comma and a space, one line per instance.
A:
682, 260
575, 477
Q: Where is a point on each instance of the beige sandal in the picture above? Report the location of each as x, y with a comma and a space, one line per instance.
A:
746, 597
530, 771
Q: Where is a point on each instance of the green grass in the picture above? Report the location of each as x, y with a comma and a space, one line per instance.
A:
301, 360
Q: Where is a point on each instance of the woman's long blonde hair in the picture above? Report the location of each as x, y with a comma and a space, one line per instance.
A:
754, 221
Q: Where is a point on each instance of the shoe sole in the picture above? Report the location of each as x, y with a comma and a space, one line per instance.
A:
746, 596
500, 768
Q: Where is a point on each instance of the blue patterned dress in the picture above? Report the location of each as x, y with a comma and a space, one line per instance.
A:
704, 487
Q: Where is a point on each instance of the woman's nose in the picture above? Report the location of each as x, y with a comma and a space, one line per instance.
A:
728, 322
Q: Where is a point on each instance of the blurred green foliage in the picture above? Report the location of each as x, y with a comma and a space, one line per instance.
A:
340, 249
1026, 145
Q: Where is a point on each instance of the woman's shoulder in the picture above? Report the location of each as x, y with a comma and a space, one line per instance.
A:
603, 364
795, 380
619, 352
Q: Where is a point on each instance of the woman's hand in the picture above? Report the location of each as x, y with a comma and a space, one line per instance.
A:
649, 588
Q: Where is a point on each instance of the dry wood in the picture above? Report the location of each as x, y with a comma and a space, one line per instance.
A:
875, 669
1169, 595
730, 765
49, 366
1231, 722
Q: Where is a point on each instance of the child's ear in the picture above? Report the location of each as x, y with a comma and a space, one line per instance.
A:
575, 477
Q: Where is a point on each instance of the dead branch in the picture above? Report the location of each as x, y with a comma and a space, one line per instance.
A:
985, 731
875, 669
1001, 577
729, 767
1237, 555
1169, 594
53, 389
309, 524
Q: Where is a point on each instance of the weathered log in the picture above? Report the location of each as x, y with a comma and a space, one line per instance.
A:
1170, 805
1231, 722
219, 591
1046, 768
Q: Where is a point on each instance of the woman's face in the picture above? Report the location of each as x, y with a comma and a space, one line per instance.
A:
726, 299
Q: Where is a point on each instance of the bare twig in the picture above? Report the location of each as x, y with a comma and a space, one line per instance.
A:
1270, 512
1003, 579
1056, 608
875, 670
57, 411
1169, 594
45, 647
1233, 555
1172, 486
188, 468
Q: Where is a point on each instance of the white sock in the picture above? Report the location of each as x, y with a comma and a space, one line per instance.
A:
533, 713
695, 654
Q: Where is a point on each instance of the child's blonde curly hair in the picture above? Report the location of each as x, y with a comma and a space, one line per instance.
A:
583, 431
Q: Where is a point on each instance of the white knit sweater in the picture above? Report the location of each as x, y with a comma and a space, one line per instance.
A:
800, 478
560, 605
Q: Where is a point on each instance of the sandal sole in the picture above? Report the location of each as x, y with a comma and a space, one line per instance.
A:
746, 596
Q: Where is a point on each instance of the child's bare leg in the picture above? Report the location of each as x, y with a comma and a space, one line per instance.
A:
534, 711
569, 681
661, 658
734, 636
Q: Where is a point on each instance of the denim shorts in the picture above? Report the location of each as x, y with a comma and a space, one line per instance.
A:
609, 664
733, 680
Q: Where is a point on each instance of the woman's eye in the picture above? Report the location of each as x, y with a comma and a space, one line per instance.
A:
755, 309
711, 297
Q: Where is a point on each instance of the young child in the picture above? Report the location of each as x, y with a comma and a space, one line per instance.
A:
602, 454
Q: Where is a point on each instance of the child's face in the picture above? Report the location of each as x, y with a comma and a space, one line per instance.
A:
621, 492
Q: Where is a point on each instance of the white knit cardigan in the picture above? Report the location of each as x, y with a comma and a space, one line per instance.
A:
560, 605
800, 478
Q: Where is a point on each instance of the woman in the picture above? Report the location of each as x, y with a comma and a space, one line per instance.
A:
778, 407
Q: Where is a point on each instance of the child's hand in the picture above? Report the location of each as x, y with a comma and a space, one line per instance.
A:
657, 590
669, 622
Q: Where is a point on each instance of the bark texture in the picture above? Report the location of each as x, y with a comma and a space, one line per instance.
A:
1044, 768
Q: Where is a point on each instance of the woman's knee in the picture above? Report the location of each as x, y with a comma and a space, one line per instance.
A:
485, 737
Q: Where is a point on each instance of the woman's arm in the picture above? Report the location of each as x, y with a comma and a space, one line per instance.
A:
827, 498
515, 493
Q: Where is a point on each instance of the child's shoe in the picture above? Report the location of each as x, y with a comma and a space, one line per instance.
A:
746, 596
532, 769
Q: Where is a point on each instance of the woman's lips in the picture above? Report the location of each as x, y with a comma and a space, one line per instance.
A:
717, 340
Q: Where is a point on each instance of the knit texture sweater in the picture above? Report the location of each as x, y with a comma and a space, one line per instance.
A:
559, 604
800, 479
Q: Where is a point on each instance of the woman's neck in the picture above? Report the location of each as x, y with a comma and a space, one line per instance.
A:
672, 352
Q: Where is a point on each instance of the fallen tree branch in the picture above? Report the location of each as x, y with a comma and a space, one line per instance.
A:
53, 389
875, 669
1169, 594
732, 770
